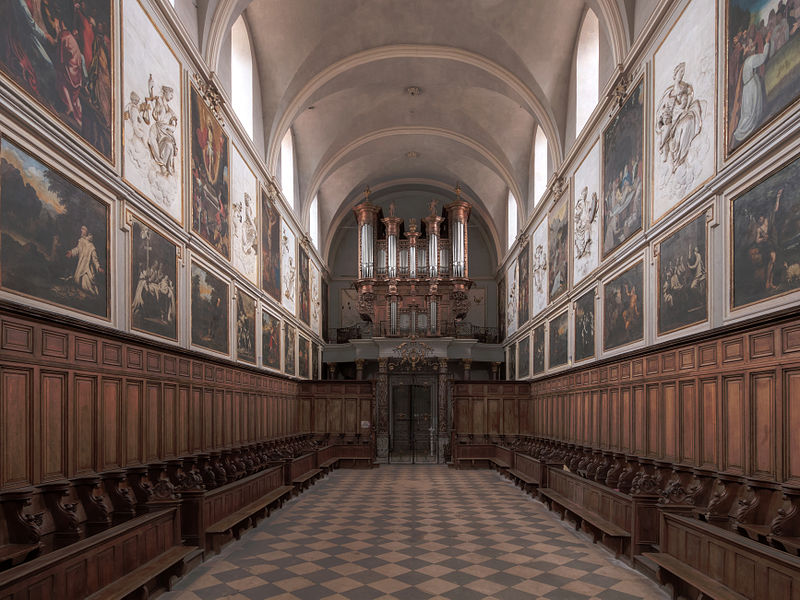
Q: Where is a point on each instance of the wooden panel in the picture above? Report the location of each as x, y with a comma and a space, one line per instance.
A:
670, 420
15, 426
733, 410
16, 337
792, 428
708, 427
133, 422
688, 422
85, 401
762, 439
152, 422
169, 433
55, 344
493, 413
109, 425
53, 409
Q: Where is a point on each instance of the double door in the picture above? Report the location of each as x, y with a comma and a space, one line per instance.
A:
413, 431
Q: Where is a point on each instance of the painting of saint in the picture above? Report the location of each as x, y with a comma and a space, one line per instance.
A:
539, 268
288, 269
289, 338
501, 309
324, 301
151, 118
154, 282
558, 250
270, 340
523, 261
61, 53
54, 236
270, 247
538, 350
315, 298
303, 357
623, 311
314, 360
244, 218
512, 279
210, 308
766, 238
245, 327
584, 326
682, 282
586, 216
304, 284
524, 349
210, 193
623, 183
559, 336
763, 66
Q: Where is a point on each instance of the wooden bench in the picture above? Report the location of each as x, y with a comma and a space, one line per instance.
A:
14, 554
498, 464
329, 465
687, 575
162, 571
232, 525
600, 528
523, 480
305, 480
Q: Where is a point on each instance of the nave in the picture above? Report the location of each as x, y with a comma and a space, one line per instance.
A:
413, 532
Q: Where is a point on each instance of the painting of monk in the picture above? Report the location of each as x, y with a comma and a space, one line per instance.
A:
558, 250
210, 192
245, 327
210, 309
61, 53
303, 357
584, 326
289, 338
270, 247
524, 294
538, 350
304, 283
623, 310
524, 349
154, 282
270, 341
559, 336
53, 236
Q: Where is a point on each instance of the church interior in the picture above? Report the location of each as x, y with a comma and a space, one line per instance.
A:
400, 299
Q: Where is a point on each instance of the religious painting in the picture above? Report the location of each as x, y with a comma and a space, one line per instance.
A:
765, 235
763, 66
325, 300
623, 169
61, 52
501, 308
288, 269
512, 362
151, 118
585, 216
289, 338
303, 357
316, 303
682, 282
623, 310
539, 268
524, 349
54, 236
314, 360
244, 217
270, 247
210, 193
154, 282
304, 286
523, 262
584, 326
512, 279
270, 341
559, 340
245, 327
558, 250
210, 308
538, 350
685, 68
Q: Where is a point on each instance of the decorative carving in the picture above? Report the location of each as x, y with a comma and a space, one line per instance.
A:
163, 490
142, 490
123, 505
366, 305
788, 516
620, 90
747, 505
460, 303
559, 187
211, 96
97, 517
64, 515
23, 528
413, 354
644, 484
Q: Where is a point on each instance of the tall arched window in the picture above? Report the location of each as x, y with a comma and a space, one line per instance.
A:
539, 166
287, 167
512, 219
587, 70
242, 74
313, 222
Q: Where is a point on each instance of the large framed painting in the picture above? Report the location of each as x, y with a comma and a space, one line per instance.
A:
765, 238
54, 236
270, 340
315, 360
763, 65
524, 360
289, 340
512, 280
682, 277
61, 53
559, 340
303, 356
623, 172
244, 221
685, 99
288, 269
585, 216
523, 269
154, 281
325, 307
512, 362
539, 267
152, 156
316, 303
245, 327
623, 309
558, 249
209, 310
210, 177
501, 308
304, 286
270, 247
538, 350
584, 326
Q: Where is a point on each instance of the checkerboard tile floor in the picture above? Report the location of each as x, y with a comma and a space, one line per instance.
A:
414, 532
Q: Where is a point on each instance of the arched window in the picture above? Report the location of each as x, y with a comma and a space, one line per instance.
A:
512, 219
242, 75
587, 70
287, 167
313, 222
539, 166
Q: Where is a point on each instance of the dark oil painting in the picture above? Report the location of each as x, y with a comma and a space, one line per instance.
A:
682, 282
501, 309
623, 320
324, 308
558, 250
305, 286
270, 247
538, 350
314, 360
524, 303
584, 326
524, 348
210, 176
303, 357
209, 310
559, 336
290, 334
61, 53
766, 238
623, 168
53, 236
512, 362
763, 66
245, 327
154, 282
270, 341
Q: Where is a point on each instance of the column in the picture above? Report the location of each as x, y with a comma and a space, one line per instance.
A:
360, 368
467, 368
445, 408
